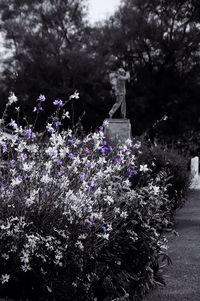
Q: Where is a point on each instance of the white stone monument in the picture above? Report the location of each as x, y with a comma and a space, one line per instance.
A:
194, 167
118, 130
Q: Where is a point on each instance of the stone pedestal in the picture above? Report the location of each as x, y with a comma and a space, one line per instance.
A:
118, 130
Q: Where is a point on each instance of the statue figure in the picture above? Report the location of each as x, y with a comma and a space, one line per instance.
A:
117, 80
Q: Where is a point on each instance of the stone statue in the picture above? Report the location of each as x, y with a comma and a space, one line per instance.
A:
117, 80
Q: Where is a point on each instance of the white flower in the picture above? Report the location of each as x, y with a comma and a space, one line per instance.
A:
82, 236
109, 170
13, 124
156, 189
50, 128
100, 174
5, 256
21, 146
69, 133
109, 200
25, 256
16, 182
66, 115
28, 166
33, 148
137, 145
52, 152
96, 136
144, 168
31, 199
75, 95
79, 245
46, 179
5, 278
165, 35
109, 227
48, 166
128, 142
63, 152
124, 214
57, 139
126, 184
164, 247
105, 123
104, 236
32, 241
117, 210
58, 257
12, 98
25, 267
49, 289
101, 161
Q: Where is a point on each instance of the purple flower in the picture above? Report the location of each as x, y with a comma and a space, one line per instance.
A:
41, 98
50, 128
87, 151
61, 173
101, 129
48, 194
23, 157
71, 141
82, 177
104, 228
12, 162
91, 222
29, 134
59, 163
5, 148
104, 150
71, 156
24, 177
58, 103
92, 186
58, 123
132, 148
110, 148
131, 172
2, 186
118, 160
38, 109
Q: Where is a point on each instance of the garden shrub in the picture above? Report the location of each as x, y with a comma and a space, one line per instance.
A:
73, 224
176, 168
187, 144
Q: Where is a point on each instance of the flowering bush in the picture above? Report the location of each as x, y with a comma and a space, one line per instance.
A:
175, 166
71, 225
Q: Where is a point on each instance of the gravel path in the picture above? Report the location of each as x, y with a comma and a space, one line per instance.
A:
183, 276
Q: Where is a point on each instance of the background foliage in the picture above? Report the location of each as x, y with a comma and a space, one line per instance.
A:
52, 49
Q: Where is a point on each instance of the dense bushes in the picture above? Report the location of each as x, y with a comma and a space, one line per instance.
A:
176, 168
81, 219
187, 144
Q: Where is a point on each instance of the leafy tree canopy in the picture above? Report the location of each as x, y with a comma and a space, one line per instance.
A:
55, 51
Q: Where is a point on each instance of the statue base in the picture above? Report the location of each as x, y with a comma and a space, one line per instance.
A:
118, 130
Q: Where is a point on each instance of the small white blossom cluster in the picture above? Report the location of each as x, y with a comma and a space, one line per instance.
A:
12, 99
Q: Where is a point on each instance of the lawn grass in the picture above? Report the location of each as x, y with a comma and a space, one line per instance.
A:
183, 276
